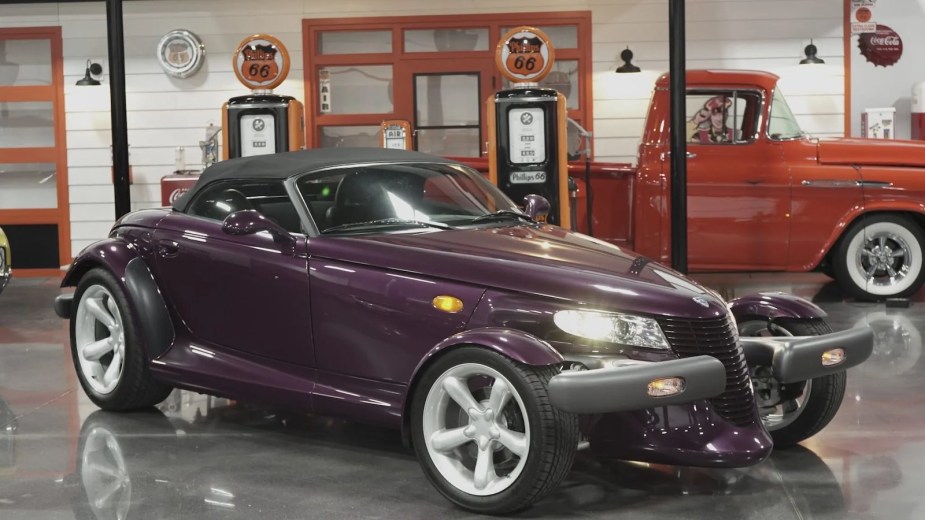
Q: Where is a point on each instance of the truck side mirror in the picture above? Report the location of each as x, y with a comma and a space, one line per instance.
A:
536, 207
249, 222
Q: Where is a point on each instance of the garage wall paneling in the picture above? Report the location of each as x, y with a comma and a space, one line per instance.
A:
165, 113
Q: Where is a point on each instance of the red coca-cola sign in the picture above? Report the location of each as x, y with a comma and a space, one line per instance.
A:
882, 48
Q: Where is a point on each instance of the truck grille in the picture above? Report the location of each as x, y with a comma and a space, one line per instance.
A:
718, 338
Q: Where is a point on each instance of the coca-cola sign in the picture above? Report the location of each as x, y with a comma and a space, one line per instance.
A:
882, 48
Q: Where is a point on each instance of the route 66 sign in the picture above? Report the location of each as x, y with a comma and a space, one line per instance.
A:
525, 54
261, 62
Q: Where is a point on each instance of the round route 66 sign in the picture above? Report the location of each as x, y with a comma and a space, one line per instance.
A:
525, 54
261, 62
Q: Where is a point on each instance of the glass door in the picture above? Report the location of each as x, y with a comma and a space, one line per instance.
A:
447, 105
33, 177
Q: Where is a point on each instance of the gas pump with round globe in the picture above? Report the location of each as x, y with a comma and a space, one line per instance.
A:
527, 152
254, 124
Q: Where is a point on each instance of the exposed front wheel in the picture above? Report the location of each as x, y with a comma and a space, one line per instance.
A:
107, 353
796, 411
486, 434
881, 256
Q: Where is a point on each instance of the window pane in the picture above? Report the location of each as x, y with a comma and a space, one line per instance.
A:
446, 40
562, 36
349, 136
354, 42
447, 99
25, 62
722, 117
27, 124
564, 78
28, 185
364, 89
449, 142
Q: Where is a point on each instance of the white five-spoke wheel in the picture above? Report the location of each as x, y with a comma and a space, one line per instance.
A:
485, 432
99, 336
108, 354
478, 444
881, 256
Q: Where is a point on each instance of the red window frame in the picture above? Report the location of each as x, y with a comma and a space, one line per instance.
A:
313, 60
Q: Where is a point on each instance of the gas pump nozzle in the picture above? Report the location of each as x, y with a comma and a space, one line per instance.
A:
209, 146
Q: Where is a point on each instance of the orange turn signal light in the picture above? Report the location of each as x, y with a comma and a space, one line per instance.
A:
833, 357
666, 386
446, 303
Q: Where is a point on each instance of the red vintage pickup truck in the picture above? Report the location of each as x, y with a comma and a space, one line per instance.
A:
763, 196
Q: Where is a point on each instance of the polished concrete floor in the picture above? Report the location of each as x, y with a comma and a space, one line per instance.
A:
203, 457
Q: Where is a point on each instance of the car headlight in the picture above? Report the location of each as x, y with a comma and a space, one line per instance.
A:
612, 327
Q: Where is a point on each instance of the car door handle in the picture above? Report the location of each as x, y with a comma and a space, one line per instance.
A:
167, 248
753, 182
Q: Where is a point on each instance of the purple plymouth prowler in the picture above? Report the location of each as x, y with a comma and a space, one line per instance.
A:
405, 290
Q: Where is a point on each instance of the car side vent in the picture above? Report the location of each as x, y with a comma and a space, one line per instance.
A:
718, 338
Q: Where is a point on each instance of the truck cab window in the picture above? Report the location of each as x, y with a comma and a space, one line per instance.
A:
722, 117
782, 124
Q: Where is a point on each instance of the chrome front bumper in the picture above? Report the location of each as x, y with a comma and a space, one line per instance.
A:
5, 271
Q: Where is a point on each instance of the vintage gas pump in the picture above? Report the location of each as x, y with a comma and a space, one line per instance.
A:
255, 124
262, 122
527, 152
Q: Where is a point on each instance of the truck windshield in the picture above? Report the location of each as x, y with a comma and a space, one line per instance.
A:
782, 125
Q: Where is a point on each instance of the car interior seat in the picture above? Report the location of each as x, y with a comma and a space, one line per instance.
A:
359, 198
221, 205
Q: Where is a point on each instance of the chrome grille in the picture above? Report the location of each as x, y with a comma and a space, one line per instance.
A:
718, 338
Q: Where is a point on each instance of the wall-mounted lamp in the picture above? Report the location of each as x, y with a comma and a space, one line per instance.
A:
93, 69
811, 58
627, 57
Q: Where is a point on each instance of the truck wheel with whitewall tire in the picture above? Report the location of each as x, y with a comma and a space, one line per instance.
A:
486, 434
881, 256
793, 412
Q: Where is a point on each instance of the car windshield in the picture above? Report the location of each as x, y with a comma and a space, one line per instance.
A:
782, 125
383, 197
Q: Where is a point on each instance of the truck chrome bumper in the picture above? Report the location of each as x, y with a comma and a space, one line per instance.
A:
625, 387
800, 358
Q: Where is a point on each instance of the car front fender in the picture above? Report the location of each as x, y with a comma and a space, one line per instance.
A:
145, 300
515, 344
773, 305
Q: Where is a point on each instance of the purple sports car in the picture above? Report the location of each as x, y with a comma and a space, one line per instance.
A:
405, 290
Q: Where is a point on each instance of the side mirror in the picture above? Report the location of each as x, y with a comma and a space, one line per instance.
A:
536, 207
248, 222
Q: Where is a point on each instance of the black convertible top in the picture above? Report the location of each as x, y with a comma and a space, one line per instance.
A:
284, 165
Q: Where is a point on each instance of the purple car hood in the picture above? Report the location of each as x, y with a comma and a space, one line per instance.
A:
545, 261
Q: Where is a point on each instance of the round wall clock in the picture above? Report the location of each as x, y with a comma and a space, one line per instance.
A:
180, 53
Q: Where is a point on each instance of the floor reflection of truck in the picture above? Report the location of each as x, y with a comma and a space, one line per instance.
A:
762, 196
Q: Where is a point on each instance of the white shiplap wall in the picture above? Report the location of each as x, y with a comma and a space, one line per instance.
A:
165, 113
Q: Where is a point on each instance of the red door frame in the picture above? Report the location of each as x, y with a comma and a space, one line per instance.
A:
55, 154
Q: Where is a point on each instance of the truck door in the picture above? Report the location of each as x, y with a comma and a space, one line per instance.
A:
738, 185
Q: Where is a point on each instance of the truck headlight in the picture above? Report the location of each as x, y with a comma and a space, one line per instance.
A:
612, 327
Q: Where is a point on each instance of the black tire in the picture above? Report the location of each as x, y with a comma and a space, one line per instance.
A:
136, 388
553, 434
825, 394
896, 232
